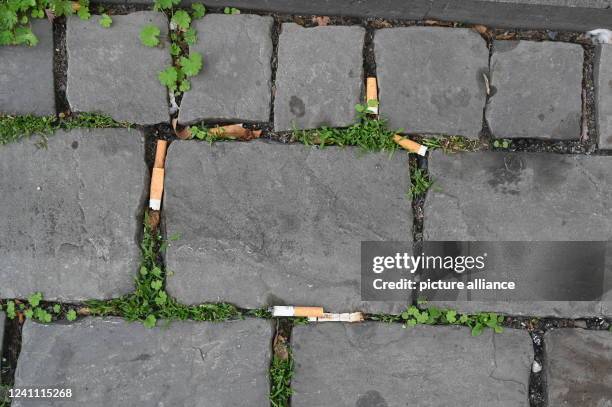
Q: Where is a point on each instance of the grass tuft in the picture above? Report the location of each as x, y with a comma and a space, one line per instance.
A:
420, 183
452, 144
281, 373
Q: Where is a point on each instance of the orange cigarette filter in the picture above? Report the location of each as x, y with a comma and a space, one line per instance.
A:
160, 154
372, 93
233, 130
157, 188
410, 145
292, 311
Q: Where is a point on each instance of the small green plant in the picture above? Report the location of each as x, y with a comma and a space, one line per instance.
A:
198, 10
420, 183
231, 10
281, 372
149, 35
501, 143
106, 21
71, 315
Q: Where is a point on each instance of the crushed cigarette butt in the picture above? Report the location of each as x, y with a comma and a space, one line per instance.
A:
600, 36
410, 145
343, 317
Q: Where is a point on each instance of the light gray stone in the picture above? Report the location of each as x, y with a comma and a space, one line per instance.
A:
578, 367
603, 88
110, 71
431, 79
235, 83
375, 364
71, 214
268, 224
495, 196
319, 78
26, 75
110, 362
538, 90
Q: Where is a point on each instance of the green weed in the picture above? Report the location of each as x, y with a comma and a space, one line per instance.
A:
281, 372
452, 144
502, 143
420, 183
231, 10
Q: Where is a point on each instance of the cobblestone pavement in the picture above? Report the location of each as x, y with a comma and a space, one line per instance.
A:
273, 222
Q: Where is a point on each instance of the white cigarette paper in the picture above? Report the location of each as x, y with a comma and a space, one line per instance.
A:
344, 317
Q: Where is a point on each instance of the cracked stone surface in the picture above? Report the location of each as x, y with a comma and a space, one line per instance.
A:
284, 226
319, 78
373, 364
110, 362
71, 214
603, 86
115, 74
500, 196
579, 367
540, 83
235, 84
26, 75
431, 79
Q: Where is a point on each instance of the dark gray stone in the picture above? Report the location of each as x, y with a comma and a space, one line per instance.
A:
375, 364
268, 224
499, 196
319, 78
236, 79
603, 87
110, 362
71, 214
26, 75
578, 367
431, 79
538, 90
111, 72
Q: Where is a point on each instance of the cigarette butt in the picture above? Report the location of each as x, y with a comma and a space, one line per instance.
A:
235, 130
157, 188
160, 154
372, 93
290, 311
76, 6
410, 145
344, 317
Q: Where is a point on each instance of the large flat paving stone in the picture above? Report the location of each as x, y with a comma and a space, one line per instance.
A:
269, 224
109, 362
110, 71
603, 88
538, 90
71, 214
319, 77
431, 79
376, 364
496, 196
26, 75
236, 81
579, 367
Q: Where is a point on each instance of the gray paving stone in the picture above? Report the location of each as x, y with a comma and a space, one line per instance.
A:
114, 363
284, 226
71, 213
26, 75
499, 196
431, 79
376, 364
319, 78
111, 72
236, 81
579, 367
538, 90
603, 88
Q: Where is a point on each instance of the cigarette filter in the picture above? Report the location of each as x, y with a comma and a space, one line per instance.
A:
372, 94
410, 145
235, 130
157, 188
344, 317
290, 311
160, 154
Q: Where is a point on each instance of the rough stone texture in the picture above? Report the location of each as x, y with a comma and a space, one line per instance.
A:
579, 367
70, 214
373, 364
236, 81
603, 87
26, 75
114, 363
284, 226
110, 71
538, 90
319, 78
520, 196
431, 79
